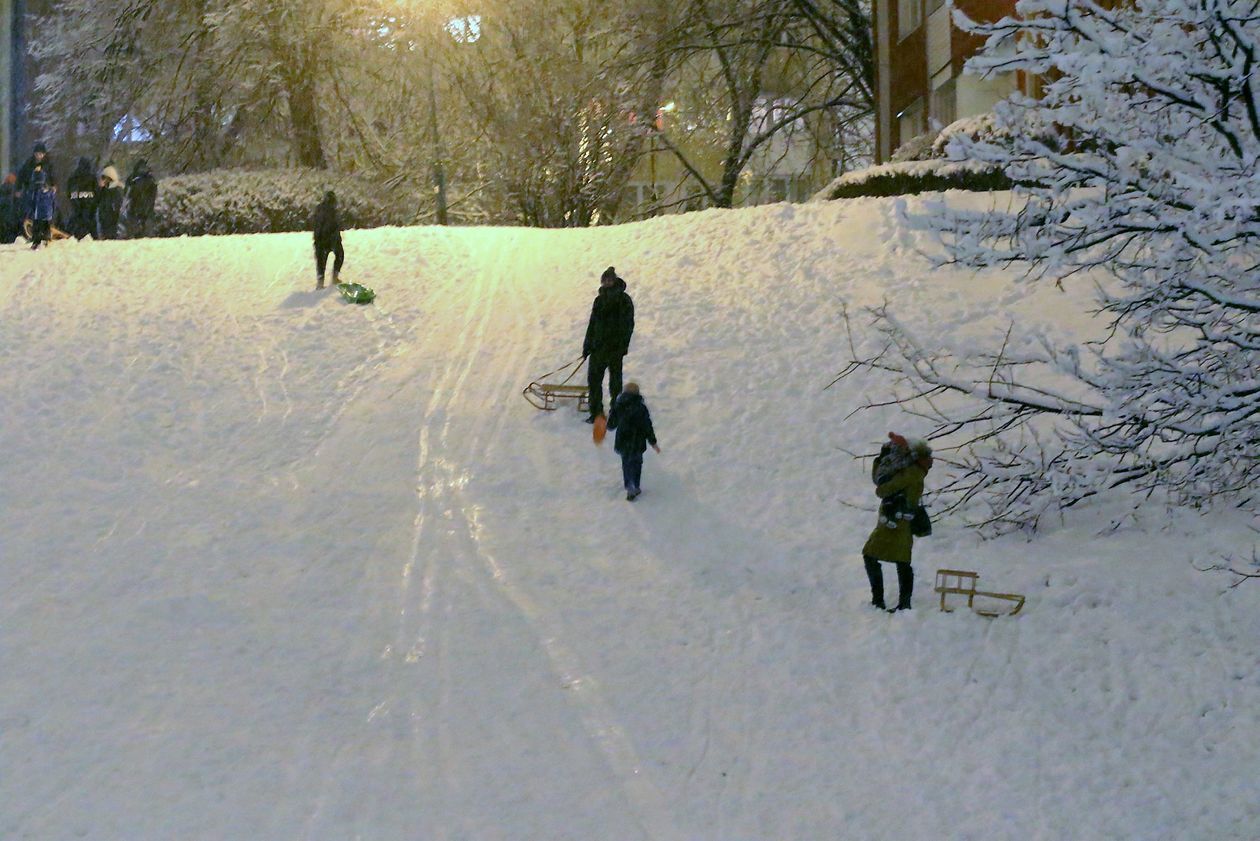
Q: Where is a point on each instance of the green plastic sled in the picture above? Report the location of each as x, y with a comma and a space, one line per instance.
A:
356, 293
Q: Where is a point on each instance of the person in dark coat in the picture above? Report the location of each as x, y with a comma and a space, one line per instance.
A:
10, 210
82, 190
633, 423
607, 339
37, 162
109, 202
141, 199
42, 206
327, 232
899, 472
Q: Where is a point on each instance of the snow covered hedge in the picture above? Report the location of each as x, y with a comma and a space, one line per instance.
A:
922, 165
910, 178
271, 201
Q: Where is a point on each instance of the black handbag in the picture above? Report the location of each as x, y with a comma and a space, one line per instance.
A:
921, 523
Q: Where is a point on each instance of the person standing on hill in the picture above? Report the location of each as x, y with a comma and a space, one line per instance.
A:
899, 472
82, 189
37, 162
142, 190
633, 423
607, 339
327, 228
43, 207
109, 200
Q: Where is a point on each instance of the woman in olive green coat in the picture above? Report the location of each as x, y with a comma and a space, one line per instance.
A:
891, 541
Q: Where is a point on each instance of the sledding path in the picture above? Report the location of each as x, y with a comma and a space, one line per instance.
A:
276, 567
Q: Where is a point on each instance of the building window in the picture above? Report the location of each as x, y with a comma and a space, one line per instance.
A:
945, 104
909, 16
911, 122
779, 188
639, 199
465, 30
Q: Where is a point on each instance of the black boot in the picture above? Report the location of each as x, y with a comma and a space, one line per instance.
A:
876, 576
905, 586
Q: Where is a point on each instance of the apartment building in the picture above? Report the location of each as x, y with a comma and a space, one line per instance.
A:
919, 58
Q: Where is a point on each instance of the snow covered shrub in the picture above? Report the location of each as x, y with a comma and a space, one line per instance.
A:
269, 201
917, 148
1153, 188
907, 179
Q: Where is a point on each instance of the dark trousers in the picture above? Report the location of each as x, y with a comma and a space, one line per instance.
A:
905, 582
597, 365
82, 221
322, 250
41, 232
138, 227
631, 470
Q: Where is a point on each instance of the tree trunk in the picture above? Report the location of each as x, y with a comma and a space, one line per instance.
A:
304, 122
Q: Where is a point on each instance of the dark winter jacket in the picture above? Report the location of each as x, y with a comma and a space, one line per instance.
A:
27, 174
109, 200
141, 192
633, 422
612, 322
82, 189
40, 195
325, 223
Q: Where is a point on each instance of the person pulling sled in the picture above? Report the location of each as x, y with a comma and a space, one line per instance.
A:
607, 339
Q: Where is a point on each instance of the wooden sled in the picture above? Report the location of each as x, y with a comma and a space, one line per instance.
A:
546, 395
963, 583
54, 233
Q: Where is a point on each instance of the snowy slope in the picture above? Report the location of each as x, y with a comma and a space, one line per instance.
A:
277, 567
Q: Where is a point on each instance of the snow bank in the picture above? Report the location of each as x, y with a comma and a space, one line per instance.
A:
279, 567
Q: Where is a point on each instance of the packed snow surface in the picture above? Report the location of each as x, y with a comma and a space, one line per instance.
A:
273, 566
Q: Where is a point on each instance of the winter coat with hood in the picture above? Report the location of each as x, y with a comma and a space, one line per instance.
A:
896, 544
82, 183
633, 423
81, 187
141, 191
109, 199
612, 322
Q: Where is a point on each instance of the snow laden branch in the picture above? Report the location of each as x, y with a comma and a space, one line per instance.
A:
1136, 170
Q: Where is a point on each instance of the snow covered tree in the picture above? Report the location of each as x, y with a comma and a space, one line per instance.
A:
1137, 169
201, 78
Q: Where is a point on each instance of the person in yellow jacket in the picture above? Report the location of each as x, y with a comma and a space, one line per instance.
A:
898, 474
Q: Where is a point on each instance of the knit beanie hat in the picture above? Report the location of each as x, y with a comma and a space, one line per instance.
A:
610, 273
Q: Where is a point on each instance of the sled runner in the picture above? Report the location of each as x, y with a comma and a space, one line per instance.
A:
963, 583
356, 293
544, 395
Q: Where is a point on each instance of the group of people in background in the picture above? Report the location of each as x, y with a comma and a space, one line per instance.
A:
96, 204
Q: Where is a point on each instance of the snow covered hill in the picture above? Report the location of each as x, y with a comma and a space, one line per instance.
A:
277, 567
